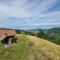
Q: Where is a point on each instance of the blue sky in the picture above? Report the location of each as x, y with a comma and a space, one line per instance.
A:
29, 14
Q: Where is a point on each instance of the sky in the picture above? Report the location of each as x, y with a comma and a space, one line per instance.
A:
29, 14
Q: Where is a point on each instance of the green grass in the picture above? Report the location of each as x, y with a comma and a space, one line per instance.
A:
18, 51
24, 49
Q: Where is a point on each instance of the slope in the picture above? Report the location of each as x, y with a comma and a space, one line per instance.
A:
30, 48
47, 48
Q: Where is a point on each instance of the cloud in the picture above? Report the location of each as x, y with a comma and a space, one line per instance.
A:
28, 12
24, 8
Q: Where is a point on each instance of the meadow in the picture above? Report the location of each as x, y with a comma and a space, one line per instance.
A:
30, 48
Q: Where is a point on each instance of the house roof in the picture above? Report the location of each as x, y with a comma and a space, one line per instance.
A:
7, 32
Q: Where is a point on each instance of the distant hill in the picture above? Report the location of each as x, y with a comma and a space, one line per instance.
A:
52, 34
55, 31
48, 31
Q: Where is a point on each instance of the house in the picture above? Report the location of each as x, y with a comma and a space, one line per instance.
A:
7, 36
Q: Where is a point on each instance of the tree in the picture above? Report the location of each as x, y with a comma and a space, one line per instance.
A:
41, 33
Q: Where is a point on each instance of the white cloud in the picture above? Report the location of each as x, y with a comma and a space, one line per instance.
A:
28, 12
22, 8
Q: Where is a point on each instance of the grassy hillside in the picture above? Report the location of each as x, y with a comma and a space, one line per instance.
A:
30, 48
52, 35
49, 49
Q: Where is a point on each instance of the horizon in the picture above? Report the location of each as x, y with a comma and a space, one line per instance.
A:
29, 29
29, 14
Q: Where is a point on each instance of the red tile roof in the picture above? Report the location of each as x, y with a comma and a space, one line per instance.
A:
7, 32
